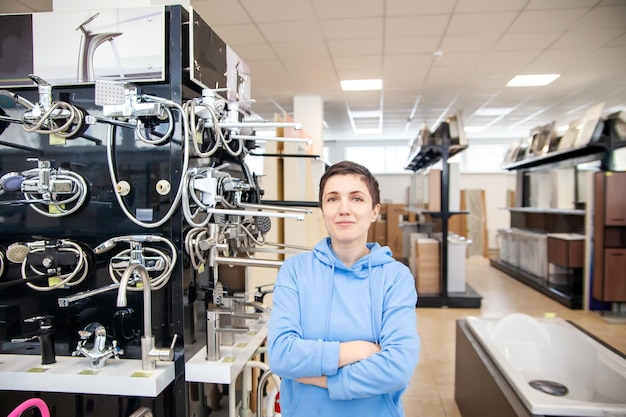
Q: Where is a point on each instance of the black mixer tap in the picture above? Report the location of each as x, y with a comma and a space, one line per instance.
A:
45, 334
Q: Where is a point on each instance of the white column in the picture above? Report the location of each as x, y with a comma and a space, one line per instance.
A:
309, 110
302, 175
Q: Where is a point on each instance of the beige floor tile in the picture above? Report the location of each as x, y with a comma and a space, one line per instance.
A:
423, 407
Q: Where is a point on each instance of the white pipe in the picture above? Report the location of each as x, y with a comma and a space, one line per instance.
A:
231, 125
272, 138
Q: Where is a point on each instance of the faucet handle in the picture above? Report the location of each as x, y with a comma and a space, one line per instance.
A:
45, 321
117, 351
164, 354
84, 334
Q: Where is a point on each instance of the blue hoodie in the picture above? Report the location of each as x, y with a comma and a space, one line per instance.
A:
319, 302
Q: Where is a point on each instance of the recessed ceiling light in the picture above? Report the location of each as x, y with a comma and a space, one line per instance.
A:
361, 85
473, 129
368, 131
532, 80
493, 111
365, 114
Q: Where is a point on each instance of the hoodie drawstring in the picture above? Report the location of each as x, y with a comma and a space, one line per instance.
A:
330, 298
374, 310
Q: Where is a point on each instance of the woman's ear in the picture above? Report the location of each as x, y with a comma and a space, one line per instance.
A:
375, 212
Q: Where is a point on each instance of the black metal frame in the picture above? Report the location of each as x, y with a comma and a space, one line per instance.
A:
423, 158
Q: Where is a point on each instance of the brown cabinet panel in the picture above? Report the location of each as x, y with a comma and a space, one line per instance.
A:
614, 275
615, 199
609, 267
567, 252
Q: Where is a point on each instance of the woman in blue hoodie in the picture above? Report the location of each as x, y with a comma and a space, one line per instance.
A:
342, 333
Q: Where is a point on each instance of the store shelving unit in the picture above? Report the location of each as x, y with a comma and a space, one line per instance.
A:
559, 220
423, 157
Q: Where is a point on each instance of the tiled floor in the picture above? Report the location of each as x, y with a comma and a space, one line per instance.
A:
431, 393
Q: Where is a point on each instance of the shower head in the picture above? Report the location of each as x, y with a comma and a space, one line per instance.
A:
17, 252
263, 223
12, 181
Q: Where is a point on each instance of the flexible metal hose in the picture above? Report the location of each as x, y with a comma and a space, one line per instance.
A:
179, 192
56, 208
64, 280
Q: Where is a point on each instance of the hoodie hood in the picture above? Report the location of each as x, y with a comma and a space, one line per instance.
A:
377, 256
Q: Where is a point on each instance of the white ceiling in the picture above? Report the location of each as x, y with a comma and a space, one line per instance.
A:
305, 47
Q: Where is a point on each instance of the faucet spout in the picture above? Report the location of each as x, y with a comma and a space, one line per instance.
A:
133, 270
45, 334
89, 43
100, 353
149, 353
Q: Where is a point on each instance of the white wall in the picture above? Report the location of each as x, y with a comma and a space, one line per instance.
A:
394, 188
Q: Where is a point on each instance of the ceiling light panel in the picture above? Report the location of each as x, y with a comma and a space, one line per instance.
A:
361, 85
365, 114
493, 111
532, 80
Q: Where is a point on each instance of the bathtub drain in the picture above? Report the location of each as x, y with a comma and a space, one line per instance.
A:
549, 387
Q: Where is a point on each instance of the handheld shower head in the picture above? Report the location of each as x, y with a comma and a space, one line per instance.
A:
12, 181
17, 252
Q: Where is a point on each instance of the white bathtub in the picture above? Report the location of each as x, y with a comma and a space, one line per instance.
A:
536, 350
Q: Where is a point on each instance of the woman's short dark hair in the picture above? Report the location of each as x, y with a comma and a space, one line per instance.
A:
351, 168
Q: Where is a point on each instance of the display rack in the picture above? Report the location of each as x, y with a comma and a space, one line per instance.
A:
423, 157
559, 220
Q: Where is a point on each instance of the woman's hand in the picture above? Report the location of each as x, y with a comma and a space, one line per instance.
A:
356, 350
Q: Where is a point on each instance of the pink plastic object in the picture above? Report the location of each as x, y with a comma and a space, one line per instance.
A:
33, 402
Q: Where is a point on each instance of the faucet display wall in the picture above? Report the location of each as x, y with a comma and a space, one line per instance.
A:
163, 170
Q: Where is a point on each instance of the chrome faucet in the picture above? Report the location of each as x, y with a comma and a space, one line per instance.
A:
149, 354
100, 353
214, 330
89, 43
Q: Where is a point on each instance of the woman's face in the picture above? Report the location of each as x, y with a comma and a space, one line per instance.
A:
347, 208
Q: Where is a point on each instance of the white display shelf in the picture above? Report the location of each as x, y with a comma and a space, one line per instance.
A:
74, 375
233, 358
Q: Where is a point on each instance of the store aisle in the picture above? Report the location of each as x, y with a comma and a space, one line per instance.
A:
431, 393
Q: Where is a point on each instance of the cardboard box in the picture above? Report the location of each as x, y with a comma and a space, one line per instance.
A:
378, 230
396, 215
425, 264
434, 190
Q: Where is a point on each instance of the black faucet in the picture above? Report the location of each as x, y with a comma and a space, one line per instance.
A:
45, 334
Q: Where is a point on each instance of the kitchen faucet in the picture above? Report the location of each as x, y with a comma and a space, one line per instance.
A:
149, 354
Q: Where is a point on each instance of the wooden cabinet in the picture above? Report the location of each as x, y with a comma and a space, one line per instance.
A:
615, 199
609, 273
614, 282
566, 249
566, 259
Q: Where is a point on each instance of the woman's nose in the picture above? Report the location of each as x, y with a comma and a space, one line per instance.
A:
344, 207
